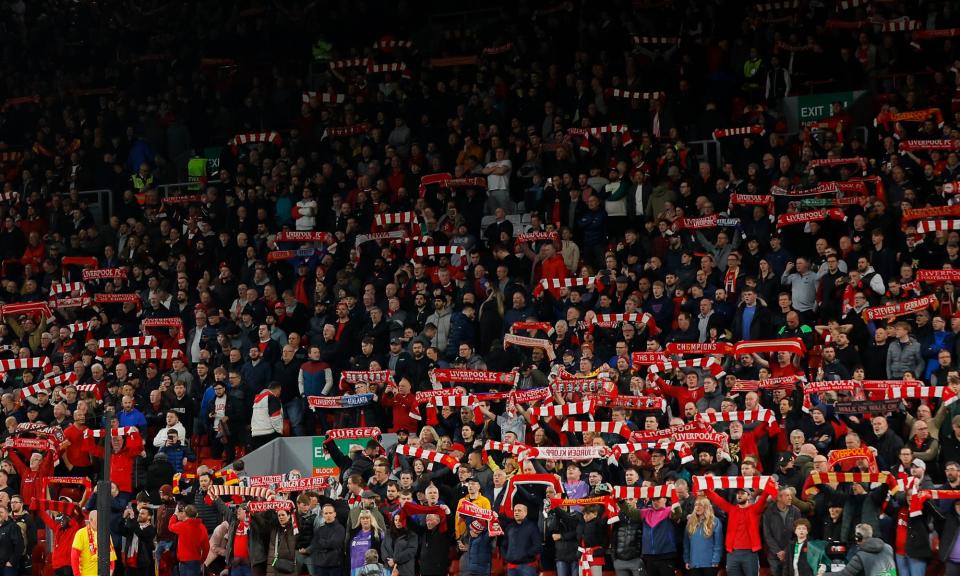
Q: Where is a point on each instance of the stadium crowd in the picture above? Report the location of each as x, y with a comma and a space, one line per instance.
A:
491, 237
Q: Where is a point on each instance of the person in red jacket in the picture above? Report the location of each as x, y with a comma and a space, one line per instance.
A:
742, 538
64, 527
193, 543
41, 465
125, 451
404, 403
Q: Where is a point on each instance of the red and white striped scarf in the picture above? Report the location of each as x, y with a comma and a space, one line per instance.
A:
323, 97
662, 40
730, 483
256, 138
741, 131
759, 415
34, 363
613, 320
927, 226
771, 6
247, 491
709, 363
57, 288
620, 428
409, 217
41, 308
374, 68
79, 326
599, 131
538, 326
422, 251
131, 342
791, 345
618, 93
569, 409
644, 492
429, 455
521, 451
302, 236
559, 283
348, 63
936, 34
114, 432
48, 384
350, 378
381, 44
142, 354
923, 392
681, 448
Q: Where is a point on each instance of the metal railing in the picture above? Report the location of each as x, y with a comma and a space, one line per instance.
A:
708, 150
180, 188
100, 202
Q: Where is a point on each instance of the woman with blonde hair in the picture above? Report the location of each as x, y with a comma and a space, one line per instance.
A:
365, 534
702, 540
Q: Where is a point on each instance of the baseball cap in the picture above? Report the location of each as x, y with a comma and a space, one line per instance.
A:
919, 464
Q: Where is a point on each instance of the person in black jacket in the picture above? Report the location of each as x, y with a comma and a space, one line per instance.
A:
11, 543
305, 521
327, 550
520, 544
141, 538
626, 538
948, 526
592, 536
435, 546
561, 528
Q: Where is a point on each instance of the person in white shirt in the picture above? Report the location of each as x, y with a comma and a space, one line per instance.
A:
173, 423
498, 181
307, 212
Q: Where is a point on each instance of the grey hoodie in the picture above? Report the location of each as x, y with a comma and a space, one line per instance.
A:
873, 558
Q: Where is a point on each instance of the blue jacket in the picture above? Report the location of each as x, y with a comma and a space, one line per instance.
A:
313, 377
700, 551
132, 418
176, 454
480, 556
255, 378
520, 543
659, 539
593, 224
461, 330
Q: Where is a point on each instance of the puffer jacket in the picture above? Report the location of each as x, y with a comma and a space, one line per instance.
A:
401, 547
626, 534
902, 357
565, 524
